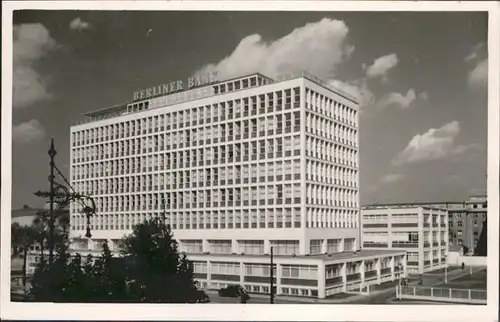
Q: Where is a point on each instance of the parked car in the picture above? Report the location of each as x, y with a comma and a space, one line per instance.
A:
234, 291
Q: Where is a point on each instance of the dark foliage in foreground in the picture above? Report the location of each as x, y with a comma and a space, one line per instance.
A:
149, 270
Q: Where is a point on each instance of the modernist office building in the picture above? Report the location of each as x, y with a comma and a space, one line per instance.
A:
238, 166
421, 231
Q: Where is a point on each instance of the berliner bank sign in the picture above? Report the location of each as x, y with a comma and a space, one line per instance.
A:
176, 86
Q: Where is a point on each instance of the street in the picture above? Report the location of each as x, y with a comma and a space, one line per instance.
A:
255, 299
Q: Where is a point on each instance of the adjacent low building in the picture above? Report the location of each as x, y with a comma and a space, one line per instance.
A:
316, 276
421, 231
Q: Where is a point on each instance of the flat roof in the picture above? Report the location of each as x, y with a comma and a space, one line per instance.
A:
413, 203
361, 254
402, 206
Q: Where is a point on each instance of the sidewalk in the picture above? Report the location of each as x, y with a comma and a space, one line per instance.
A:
431, 280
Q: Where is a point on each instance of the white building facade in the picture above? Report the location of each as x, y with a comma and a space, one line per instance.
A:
237, 167
421, 231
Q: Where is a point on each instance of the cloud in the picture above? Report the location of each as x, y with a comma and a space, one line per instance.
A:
31, 43
381, 66
478, 77
476, 51
358, 89
79, 24
317, 48
434, 144
28, 132
423, 96
391, 178
462, 149
403, 101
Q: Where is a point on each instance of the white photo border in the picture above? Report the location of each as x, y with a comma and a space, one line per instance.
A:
224, 312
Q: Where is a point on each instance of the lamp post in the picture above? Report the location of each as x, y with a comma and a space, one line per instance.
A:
59, 196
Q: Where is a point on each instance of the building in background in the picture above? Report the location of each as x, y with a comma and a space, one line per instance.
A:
24, 216
466, 222
474, 238
238, 166
421, 231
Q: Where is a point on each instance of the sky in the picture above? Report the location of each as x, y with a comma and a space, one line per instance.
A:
420, 77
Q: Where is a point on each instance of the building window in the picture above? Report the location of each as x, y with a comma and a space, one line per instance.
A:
300, 271
220, 246
251, 246
334, 246
285, 247
315, 246
192, 246
225, 268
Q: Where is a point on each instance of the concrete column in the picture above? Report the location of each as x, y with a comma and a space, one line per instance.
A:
234, 246
344, 277
362, 273
242, 273
303, 246
392, 268
321, 281
405, 266
303, 209
209, 274
278, 279
324, 247
267, 246
205, 246
377, 267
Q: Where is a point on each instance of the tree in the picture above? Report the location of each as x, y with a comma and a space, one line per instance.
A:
23, 237
40, 225
157, 273
108, 278
16, 238
150, 269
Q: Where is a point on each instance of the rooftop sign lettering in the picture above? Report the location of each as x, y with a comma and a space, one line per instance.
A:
176, 86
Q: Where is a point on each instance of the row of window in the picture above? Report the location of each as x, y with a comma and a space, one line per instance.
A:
253, 218
309, 272
331, 174
187, 138
331, 152
317, 246
331, 218
331, 130
257, 195
256, 247
330, 196
277, 218
217, 111
233, 268
328, 107
212, 149
315, 102
252, 171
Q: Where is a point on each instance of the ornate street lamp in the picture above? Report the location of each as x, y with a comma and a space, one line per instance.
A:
60, 197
